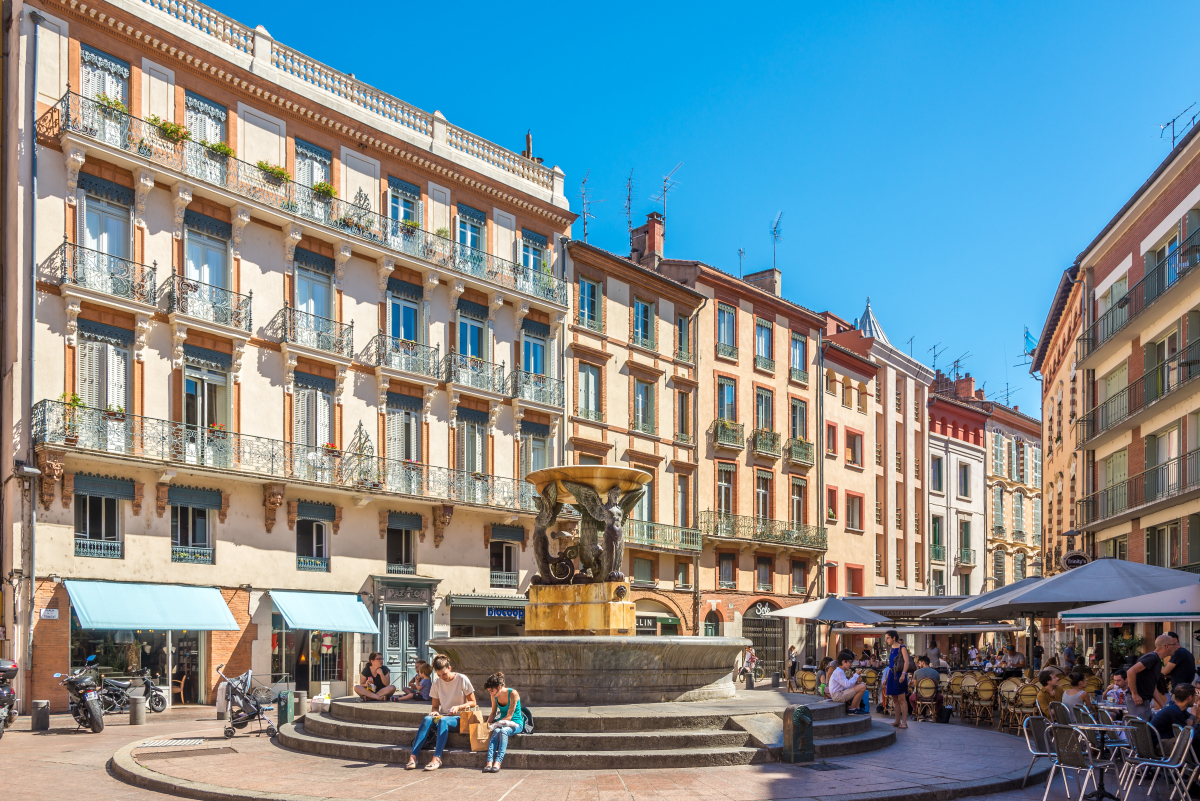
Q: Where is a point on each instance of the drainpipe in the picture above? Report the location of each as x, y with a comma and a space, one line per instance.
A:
820, 456
33, 15
698, 624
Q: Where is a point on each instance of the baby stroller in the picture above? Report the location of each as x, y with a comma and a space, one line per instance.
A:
244, 708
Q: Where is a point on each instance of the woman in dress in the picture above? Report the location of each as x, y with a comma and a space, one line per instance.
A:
793, 664
897, 680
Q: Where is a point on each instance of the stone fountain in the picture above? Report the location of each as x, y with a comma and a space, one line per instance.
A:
578, 646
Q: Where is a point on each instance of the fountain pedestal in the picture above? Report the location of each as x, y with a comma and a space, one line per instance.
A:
599, 609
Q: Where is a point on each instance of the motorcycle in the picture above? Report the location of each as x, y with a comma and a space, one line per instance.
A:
84, 697
8, 698
155, 700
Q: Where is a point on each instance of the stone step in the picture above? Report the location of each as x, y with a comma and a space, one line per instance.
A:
294, 736
879, 735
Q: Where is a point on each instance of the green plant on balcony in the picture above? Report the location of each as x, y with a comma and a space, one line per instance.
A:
443, 232
324, 189
112, 103
171, 131
409, 227
330, 447
219, 149
71, 401
274, 174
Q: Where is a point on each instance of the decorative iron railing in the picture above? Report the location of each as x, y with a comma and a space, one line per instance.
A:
799, 375
401, 354
937, 553
684, 438
1161, 482
765, 363
537, 388
727, 351
643, 425
212, 303
1018, 535
191, 556
592, 322
401, 569
966, 556
758, 529
476, 373
999, 532
799, 451
313, 564
314, 331
112, 275
589, 414
504, 579
727, 434
766, 443
102, 549
644, 339
683, 355
661, 535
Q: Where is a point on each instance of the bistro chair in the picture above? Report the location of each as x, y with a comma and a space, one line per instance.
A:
1062, 715
966, 698
870, 677
1034, 729
1144, 742
1025, 704
1007, 696
808, 681
1071, 752
985, 699
926, 698
953, 697
1173, 764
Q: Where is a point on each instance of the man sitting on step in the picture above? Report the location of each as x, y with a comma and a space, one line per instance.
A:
846, 686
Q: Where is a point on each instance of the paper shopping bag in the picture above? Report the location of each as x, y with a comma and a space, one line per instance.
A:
480, 734
465, 719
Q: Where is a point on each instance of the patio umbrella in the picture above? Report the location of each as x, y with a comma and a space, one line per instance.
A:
967, 607
1182, 603
831, 610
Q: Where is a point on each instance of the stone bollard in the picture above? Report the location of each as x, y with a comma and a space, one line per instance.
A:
301, 708
798, 734
41, 716
137, 710
222, 701
285, 707
775, 680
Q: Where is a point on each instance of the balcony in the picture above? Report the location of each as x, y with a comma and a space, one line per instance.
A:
727, 434
661, 536
313, 564
142, 141
682, 355
937, 553
764, 586
800, 451
100, 272
314, 331
1155, 284
401, 354
799, 375
1018, 535
503, 580
966, 556
765, 443
1037, 539
210, 303
401, 569
475, 373
191, 556
684, 438
643, 425
145, 439
589, 414
999, 532
1155, 384
537, 388
592, 322
755, 529
726, 584
100, 549
727, 351
879, 454
1172, 481
764, 363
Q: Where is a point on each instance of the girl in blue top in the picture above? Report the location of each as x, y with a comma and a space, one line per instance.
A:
506, 719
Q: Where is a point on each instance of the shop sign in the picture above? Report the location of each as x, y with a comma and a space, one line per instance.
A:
49, 614
1073, 559
646, 622
505, 611
418, 594
762, 609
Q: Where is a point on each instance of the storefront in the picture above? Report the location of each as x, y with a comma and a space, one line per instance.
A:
652, 619
161, 628
404, 614
311, 645
487, 615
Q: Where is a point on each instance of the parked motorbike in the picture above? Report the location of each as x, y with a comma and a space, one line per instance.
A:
8, 698
155, 700
84, 697
114, 696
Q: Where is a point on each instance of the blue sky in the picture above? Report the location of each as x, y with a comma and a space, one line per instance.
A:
949, 160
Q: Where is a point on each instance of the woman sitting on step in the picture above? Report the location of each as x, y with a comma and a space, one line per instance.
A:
451, 694
506, 719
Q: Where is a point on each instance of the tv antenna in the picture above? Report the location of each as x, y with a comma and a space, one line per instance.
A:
585, 203
1007, 394
936, 352
776, 233
741, 255
629, 205
957, 364
667, 185
910, 341
1162, 129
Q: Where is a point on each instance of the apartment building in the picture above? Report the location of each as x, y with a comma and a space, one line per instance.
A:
1014, 487
282, 347
900, 490
634, 404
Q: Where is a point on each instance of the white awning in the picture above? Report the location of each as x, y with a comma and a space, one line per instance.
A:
878, 631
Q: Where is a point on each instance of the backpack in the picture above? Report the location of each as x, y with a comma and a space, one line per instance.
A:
528, 728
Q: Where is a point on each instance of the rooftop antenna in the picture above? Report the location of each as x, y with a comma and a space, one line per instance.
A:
910, 341
629, 205
741, 255
1162, 129
667, 185
776, 233
936, 352
957, 364
585, 203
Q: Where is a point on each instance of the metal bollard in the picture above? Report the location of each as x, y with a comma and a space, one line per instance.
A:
137, 711
285, 707
301, 706
41, 716
749, 681
775, 680
798, 734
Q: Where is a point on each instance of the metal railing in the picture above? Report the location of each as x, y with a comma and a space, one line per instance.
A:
966, 556
683, 355
401, 569
476, 373
879, 454
765, 363
727, 351
191, 555
1037, 538
537, 388
999, 532
101, 549
1153, 285
766, 443
800, 451
401, 354
937, 553
684, 438
589, 414
1018, 535
313, 564
758, 529
764, 586
1158, 483
592, 322
661, 535
732, 585
799, 375
112, 275
504, 579
643, 425
314, 331
727, 434
212, 303
1157, 382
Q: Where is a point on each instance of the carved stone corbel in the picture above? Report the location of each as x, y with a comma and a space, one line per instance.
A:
424, 526
68, 490
456, 292
160, 498
183, 196
290, 240
493, 413
140, 332
51, 464
559, 319
337, 518
178, 337
224, 510
342, 256
73, 308
518, 418
497, 302
340, 385
241, 218
383, 523
74, 157
293, 510
289, 376
522, 312
441, 519
455, 397
387, 265
139, 491
239, 350
427, 407
383, 383
272, 500
145, 182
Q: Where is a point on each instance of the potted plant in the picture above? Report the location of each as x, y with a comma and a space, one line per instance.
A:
1128, 647
409, 227
113, 104
72, 403
443, 232
171, 131
219, 150
330, 448
324, 190
273, 175
113, 412
832, 515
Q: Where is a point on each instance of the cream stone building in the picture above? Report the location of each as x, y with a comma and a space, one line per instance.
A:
282, 347
1014, 486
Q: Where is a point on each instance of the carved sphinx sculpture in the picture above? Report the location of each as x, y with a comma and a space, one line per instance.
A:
551, 569
602, 563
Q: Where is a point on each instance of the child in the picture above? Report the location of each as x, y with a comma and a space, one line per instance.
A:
423, 682
506, 719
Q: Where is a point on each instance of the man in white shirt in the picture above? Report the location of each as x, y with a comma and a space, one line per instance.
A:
847, 687
973, 654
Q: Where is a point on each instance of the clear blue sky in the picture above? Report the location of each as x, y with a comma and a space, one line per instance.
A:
949, 160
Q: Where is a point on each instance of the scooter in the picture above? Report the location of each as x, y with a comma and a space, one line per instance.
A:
8, 698
83, 696
155, 700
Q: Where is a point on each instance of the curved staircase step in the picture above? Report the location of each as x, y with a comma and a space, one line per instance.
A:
880, 735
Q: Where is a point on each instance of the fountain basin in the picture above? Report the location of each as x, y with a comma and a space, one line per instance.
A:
598, 670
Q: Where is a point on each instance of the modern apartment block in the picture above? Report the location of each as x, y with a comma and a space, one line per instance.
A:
282, 347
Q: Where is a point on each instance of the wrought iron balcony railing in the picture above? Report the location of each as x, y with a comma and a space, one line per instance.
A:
661, 535
504, 579
191, 555
1161, 482
476, 373
212, 303
684, 355
999, 532
1156, 383
766, 443
758, 529
727, 351
1153, 285
643, 425
727, 434
937, 553
765, 363
102, 549
966, 556
589, 414
400, 354
171, 443
644, 339
537, 388
101, 272
799, 375
313, 564
1037, 538
1018, 535
726, 584
684, 438
800, 451
318, 332
593, 321
764, 586
401, 569
91, 119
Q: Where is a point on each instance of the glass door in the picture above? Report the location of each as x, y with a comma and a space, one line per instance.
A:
206, 417
106, 231
313, 298
206, 298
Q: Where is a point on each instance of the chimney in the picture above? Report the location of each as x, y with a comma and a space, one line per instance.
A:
646, 243
1016, 408
979, 395
768, 280
964, 387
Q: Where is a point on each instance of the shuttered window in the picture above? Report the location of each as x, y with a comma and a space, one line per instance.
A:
314, 417
471, 446
998, 454
312, 164
998, 506
103, 375
589, 391
103, 75
1018, 512
998, 567
1037, 517
403, 435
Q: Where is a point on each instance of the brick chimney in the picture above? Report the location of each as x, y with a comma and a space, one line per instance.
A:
646, 243
769, 280
964, 387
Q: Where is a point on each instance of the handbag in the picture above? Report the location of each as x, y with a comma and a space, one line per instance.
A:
528, 714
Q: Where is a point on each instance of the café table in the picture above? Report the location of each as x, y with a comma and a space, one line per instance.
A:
1100, 793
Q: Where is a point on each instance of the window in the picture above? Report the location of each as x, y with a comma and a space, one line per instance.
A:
854, 581
854, 449
799, 577
964, 533
472, 441
764, 410
998, 510
97, 518
1018, 567
314, 295
764, 344
726, 475
586, 459
403, 315
403, 202
831, 439
964, 583
831, 577
681, 576
643, 323
762, 570
1164, 546
847, 394
103, 375
207, 260
643, 570
830, 383
312, 164
998, 567
589, 391
726, 399
314, 417
799, 507
644, 509
470, 338
726, 331
799, 357
189, 527
762, 495
503, 563
403, 433
683, 501
589, 305
534, 355
683, 339
205, 120
935, 531
831, 504
471, 225
533, 255
683, 417
105, 230
104, 75
725, 572
964, 480
643, 407
936, 482
854, 519
310, 539
1018, 512
400, 548
799, 419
